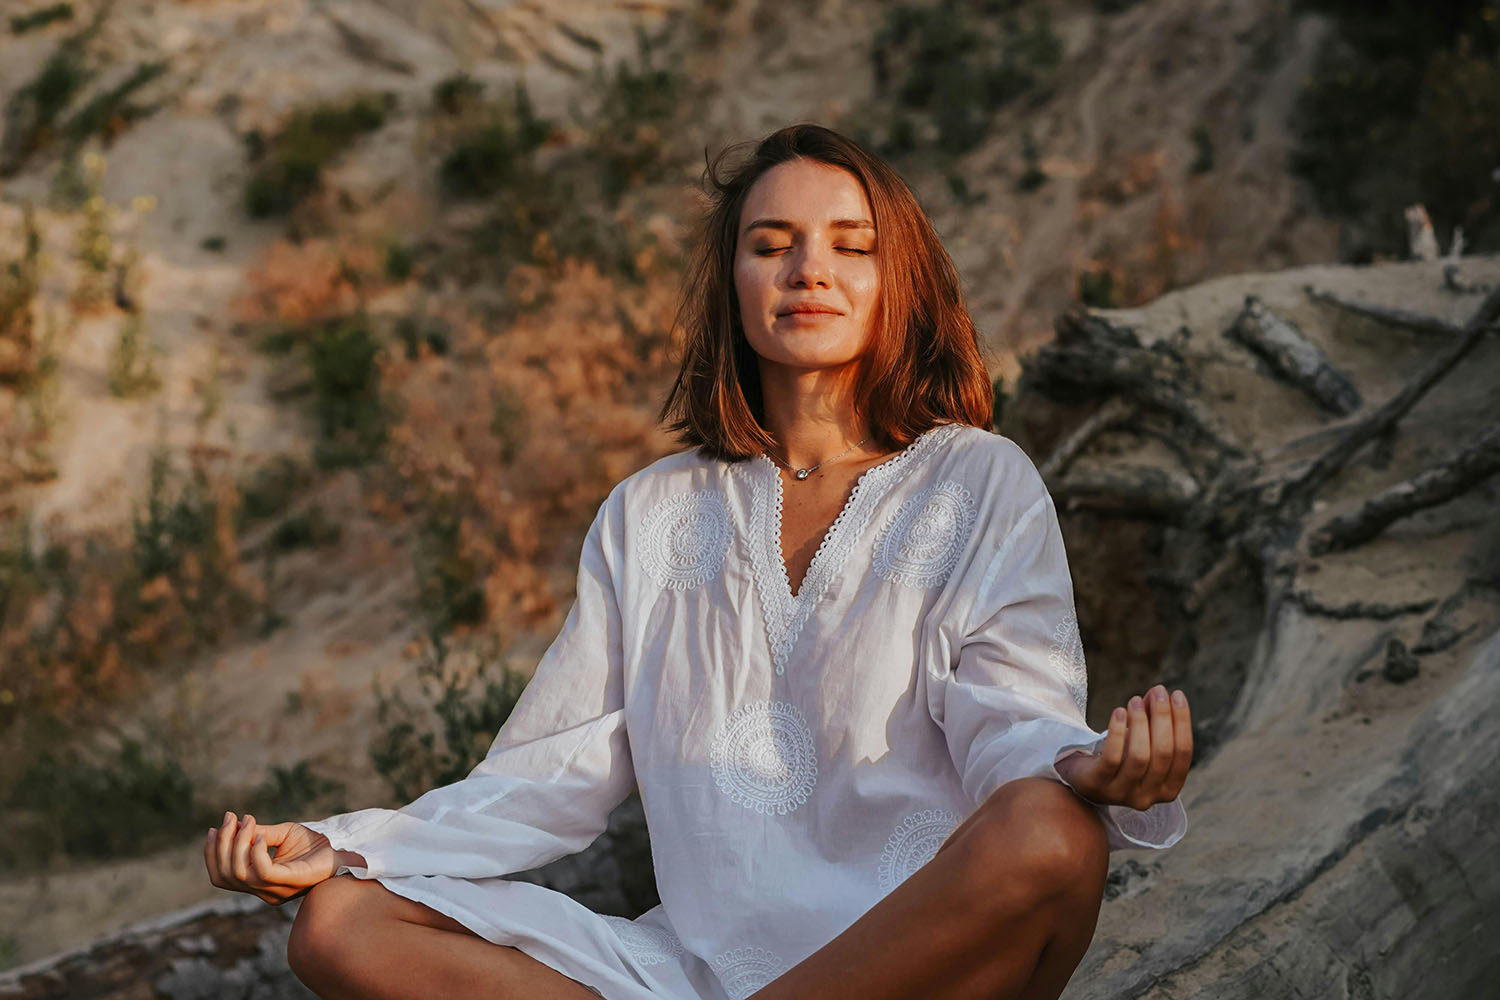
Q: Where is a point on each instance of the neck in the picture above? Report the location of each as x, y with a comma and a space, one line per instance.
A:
811, 414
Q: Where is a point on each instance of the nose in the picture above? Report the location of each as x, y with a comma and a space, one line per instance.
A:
808, 266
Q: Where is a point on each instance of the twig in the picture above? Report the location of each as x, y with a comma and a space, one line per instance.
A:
1386, 314
1477, 462
1115, 411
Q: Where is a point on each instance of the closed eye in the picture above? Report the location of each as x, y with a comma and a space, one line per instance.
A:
764, 251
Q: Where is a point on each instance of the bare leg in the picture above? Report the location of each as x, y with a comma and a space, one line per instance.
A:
354, 939
1004, 911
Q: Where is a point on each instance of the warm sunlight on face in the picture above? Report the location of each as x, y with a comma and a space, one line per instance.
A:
807, 240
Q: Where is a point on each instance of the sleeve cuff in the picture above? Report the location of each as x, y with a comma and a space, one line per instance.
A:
345, 833
1159, 826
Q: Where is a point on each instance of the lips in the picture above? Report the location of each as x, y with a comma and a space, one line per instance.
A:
815, 310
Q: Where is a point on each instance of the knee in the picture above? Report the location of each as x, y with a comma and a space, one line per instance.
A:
1031, 842
322, 925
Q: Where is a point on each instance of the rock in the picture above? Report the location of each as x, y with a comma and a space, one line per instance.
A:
1400, 665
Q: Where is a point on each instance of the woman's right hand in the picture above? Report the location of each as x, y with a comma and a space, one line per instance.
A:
238, 857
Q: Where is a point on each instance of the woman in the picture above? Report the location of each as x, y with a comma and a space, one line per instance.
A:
832, 642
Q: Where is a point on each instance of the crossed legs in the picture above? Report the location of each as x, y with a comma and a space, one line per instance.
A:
1004, 911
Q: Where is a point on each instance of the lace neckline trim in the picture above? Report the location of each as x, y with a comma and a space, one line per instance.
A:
786, 614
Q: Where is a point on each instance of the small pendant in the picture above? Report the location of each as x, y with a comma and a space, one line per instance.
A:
802, 473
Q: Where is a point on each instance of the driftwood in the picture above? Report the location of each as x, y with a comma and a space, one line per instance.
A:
1444, 481
1145, 492
1386, 416
1293, 357
1092, 355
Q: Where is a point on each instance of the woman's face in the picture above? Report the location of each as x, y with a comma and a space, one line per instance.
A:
807, 240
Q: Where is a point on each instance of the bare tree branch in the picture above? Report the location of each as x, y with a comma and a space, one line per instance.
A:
1477, 462
1385, 417
1116, 411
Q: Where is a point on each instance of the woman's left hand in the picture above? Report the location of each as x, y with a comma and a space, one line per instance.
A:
1145, 756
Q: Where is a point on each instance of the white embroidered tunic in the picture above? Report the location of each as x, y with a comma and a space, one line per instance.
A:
798, 757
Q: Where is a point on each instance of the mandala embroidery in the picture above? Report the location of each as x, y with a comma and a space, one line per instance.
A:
921, 542
763, 757
684, 537
647, 945
745, 970
914, 843
1066, 657
785, 614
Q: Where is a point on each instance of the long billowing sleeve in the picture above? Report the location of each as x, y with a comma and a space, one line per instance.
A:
1014, 703
556, 768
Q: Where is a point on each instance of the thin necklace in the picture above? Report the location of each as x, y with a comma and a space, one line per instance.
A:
804, 473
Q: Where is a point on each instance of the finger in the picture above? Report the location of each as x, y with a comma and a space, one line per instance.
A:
1112, 752
211, 856
1160, 711
1137, 744
1182, 743
242, 841
225, 845
265, 870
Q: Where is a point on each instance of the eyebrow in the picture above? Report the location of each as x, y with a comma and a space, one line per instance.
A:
787, 224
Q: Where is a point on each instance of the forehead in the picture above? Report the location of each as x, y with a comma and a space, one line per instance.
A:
806, 193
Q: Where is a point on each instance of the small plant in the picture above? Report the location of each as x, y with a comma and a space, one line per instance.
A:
343, 356
1096, 288
93, 244
499, 154
40, 18
32, 112
456, 93
398, 261
1203, 144
288, 792
290, 167
20, 280
450, 580
407, 753
1033, 176
132, 371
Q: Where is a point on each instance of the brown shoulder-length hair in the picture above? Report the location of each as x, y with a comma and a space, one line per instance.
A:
923, 365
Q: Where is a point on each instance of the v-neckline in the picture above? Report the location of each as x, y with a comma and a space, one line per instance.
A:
786, 612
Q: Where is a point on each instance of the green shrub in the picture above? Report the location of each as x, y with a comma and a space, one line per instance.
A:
289, 167
289, 792
450, 581
346, 385
499, 154
106, 804
413, 756
398, 261
956, 65
169, 527
112, 109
